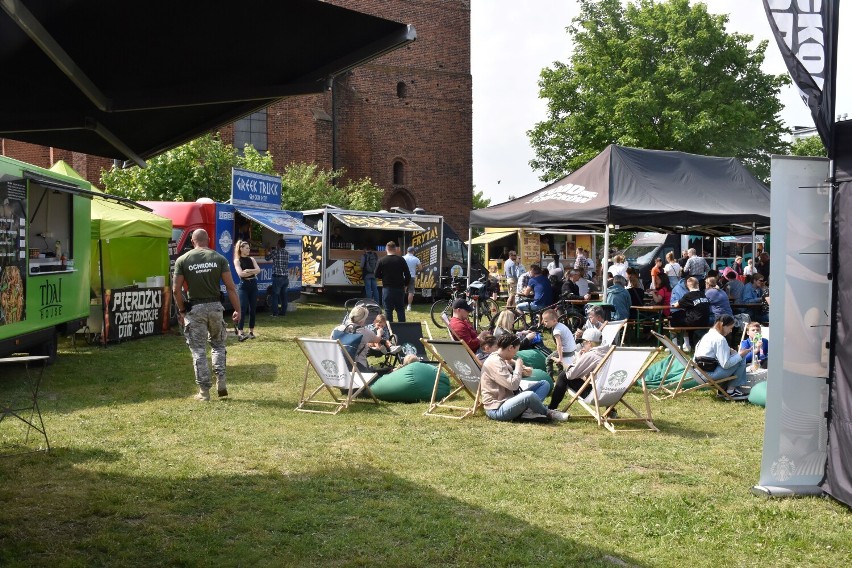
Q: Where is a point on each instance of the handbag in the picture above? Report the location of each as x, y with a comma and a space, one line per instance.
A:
707, 364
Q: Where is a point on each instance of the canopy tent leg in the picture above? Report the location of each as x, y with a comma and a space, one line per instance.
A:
605, 263
469, 249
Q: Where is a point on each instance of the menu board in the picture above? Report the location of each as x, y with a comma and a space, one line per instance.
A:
530, 249
13, 251
135, 312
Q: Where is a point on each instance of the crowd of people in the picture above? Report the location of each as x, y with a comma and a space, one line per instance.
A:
694, 296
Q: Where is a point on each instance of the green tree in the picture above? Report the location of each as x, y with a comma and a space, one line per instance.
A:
810, 146
657, 75
479, 199
200, 168
307, 186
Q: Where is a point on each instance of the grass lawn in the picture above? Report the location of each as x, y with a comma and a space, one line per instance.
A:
140, 474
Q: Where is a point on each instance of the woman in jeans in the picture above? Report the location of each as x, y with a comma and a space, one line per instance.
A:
731, 361
501, 380
247, 270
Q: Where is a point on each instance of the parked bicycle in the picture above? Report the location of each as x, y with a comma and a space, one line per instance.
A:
484, 308
566, 313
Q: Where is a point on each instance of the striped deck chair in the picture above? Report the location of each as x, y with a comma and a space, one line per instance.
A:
617, 372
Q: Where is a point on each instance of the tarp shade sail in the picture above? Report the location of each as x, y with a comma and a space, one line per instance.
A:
491, 237
672, 192
128, 80
278, 222
377, 222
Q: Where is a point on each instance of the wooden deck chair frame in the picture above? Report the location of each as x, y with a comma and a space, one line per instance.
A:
601, 404
463, 370
334, 373
690, 370
611, 330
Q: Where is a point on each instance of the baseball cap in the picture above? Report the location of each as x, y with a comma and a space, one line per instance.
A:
410, 249
593, 335
461, 304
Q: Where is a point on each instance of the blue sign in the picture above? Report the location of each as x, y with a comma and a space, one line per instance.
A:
255, 189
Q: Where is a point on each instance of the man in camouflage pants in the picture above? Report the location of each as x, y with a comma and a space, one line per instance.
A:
201, 269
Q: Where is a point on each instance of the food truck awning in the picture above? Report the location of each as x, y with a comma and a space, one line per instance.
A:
377, 222
131, 79
278, 222
491, 237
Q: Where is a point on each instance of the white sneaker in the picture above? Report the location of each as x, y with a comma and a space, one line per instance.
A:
529, 414
408, 308
686, 348
558, 416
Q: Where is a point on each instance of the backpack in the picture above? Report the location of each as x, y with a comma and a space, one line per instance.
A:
369, 262
351, 341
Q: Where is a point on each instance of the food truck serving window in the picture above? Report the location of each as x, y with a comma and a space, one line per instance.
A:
49, 229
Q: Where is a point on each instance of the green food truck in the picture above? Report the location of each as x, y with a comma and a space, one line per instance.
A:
45, 255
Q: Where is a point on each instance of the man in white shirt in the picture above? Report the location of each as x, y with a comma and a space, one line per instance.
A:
513, 270
414, 267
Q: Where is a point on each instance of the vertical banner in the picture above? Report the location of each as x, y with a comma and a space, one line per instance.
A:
794, 443
427, 248
806, 33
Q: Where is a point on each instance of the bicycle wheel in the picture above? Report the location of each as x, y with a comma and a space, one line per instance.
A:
438, 308
486, 312
573, 320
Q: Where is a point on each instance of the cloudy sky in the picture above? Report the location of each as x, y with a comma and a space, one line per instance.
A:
512, 41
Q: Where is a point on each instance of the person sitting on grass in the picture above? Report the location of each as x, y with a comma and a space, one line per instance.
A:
589, 357
755, 348
730, 361
500, 384
487, 346
505, 324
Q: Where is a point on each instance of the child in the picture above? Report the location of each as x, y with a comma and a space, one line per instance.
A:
380, 327
562, 336
487, 346
755, 347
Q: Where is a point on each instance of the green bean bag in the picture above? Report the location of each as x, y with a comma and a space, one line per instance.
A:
539, 375
758, 394
533, 358
653, 376
411, 383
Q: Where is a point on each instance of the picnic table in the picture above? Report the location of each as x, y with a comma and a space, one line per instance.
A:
650, 312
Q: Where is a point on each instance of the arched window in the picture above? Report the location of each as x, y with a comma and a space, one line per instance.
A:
401, 90
398, 173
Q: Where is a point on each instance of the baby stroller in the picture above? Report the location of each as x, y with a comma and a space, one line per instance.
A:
389, 356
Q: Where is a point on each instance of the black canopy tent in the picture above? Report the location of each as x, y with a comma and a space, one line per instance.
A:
643, 190
128, 80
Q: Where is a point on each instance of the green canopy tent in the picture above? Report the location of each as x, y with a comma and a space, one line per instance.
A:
131, 246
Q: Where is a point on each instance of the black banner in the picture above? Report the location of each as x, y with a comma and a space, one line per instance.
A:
806, 33
135, 312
